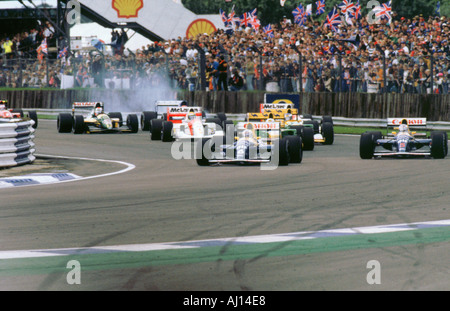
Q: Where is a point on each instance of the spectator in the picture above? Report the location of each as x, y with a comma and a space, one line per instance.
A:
236, 81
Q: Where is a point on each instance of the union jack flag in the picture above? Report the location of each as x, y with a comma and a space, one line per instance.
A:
248, 18
346, 6
254, 12
384, 11
233, 19
43, 47
298, 10
333, 19
255, 22
224, 16
320, 7
299, 15
357, 12
62, 53
268, 30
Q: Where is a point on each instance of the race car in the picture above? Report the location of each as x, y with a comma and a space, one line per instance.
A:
255, 142
93, 119
191, 127
292, 123
182, 123
400, 141
159, 112
16, 114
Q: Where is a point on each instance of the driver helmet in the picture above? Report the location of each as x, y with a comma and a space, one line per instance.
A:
247, 134
403, 128
98, 111
288, 116
191, 115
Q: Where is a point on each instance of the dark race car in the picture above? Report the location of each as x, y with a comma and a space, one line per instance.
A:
402, 142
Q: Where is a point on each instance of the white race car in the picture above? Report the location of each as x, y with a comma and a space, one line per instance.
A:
185, 123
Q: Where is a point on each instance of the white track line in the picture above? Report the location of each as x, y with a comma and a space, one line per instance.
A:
258, 239
128, 167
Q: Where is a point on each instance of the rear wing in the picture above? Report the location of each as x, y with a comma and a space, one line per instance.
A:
276, 116
270, 129
85, 106
278, 110
161, 106
263, 107
413, 123
179, 113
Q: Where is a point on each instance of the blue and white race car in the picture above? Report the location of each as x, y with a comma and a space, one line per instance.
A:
403, 142
253, 142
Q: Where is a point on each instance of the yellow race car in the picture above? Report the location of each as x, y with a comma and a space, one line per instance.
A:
292, 123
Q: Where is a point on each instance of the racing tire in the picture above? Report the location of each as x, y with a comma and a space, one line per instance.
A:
375, 135
78, 125
298, 129
314, 123
283, 151
438, 145
166, 131
33, 116
155, 129
295, 149
328, 133
308, 138
222, 116
445, 140
133, 123
146, 117
116, 115
366, 146
326, 119
64, 123
199, 148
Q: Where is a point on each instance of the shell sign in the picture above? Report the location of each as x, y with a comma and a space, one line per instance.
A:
127, 8
200, 26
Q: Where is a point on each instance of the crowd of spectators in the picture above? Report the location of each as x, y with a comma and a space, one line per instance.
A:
405, 55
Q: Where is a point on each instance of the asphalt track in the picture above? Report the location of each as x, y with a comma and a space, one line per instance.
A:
164, 200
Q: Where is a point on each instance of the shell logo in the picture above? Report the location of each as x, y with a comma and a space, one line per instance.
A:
200, 26
127, 8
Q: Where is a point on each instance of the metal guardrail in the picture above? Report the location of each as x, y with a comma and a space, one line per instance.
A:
360, 122
353, 122
17, 145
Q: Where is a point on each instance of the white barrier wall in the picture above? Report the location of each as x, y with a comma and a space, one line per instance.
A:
16, 143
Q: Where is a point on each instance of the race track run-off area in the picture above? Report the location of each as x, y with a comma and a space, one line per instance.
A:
134, 218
